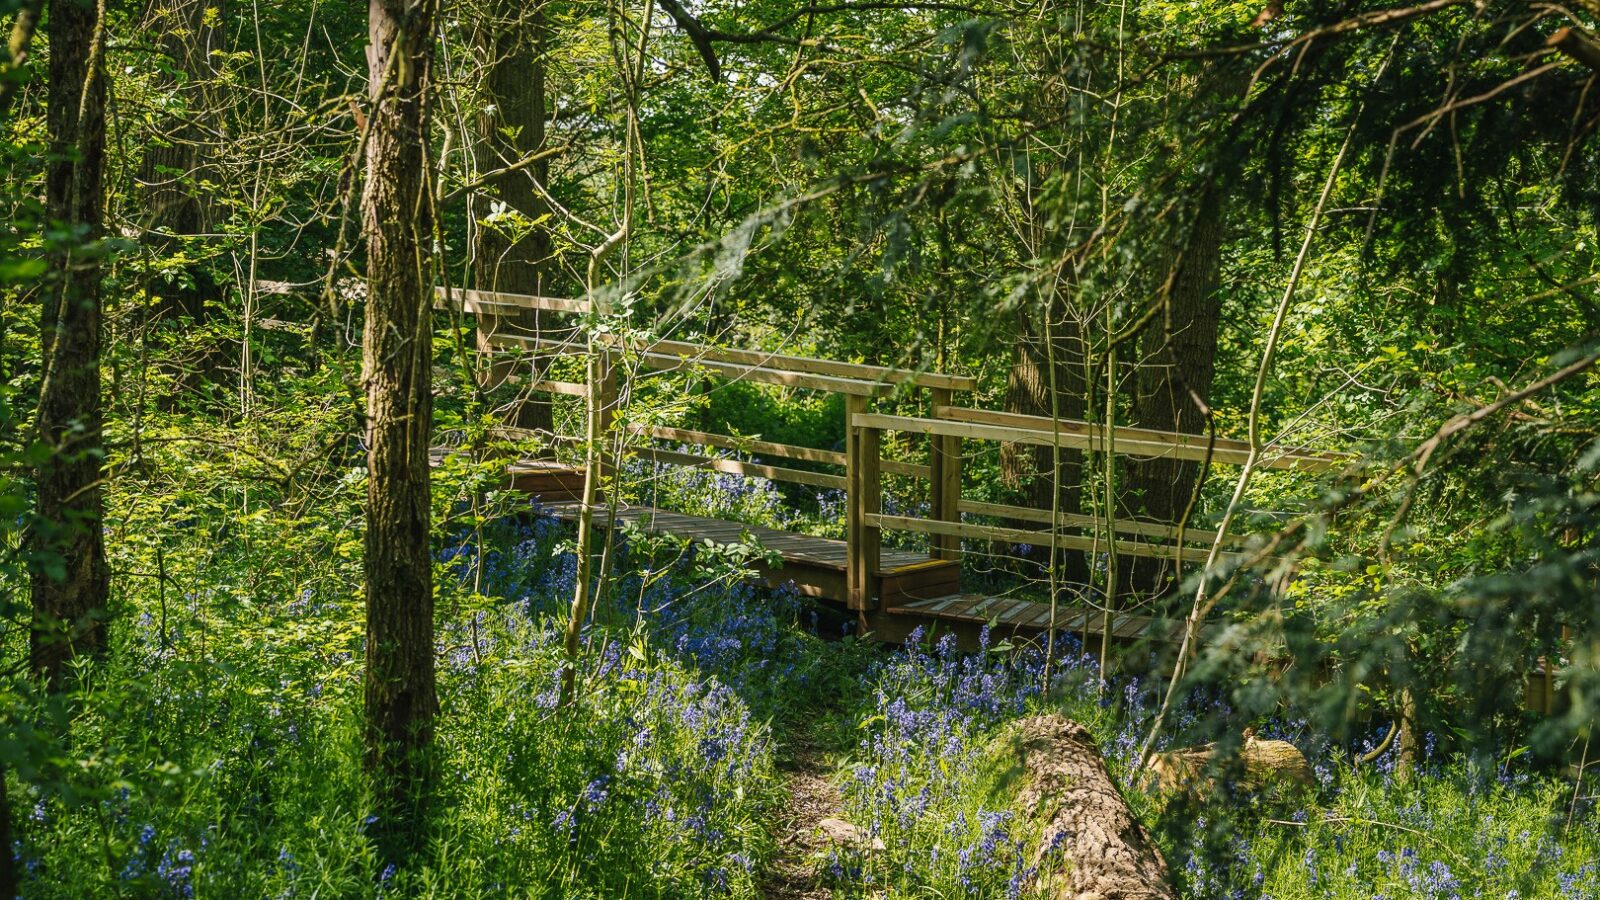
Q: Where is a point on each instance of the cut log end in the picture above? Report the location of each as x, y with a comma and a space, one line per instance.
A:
1259, 765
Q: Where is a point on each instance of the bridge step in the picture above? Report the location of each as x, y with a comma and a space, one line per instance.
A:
544, 478
1011, 615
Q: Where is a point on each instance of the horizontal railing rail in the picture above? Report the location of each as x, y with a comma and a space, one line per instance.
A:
663, 362
740, 467
1131, 527
769, 448
803, 364
500, 302
1186, 446
1038, 538
1074, 435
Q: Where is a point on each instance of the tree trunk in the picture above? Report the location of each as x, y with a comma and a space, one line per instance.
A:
10, 882
508, 252
1178, 362
1092, 846
1028, 391
175, 160
69, 577
397, 356
1409, 755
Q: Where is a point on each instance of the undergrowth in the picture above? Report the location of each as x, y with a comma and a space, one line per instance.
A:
217, 753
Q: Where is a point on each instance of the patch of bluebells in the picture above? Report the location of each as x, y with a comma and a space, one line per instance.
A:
707, 492
657, 769
739, 632
167, 868
921, 756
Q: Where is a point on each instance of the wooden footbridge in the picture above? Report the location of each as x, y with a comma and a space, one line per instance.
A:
892, 591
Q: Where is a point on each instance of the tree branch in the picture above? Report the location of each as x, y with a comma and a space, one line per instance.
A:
1576, 44
21, 41
698, 34
705, 37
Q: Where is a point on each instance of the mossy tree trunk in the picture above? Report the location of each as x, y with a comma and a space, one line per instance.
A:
511, 242
397, 352
1178, 361
69, 577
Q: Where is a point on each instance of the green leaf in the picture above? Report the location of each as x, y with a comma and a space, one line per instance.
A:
17, 271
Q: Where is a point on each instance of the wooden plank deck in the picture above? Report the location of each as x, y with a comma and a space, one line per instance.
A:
966, 614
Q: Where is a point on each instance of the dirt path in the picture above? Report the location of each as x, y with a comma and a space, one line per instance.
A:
812, 798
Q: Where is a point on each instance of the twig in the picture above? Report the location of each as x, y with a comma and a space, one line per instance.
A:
519, 165
1203, 605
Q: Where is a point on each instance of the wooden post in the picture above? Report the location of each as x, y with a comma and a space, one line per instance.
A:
870, 537
944, 457
855, 578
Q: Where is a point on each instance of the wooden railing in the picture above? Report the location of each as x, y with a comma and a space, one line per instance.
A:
861, 465
859, 383
950, 425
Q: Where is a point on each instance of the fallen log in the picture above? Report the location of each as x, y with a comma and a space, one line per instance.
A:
1091, 846
1256, 766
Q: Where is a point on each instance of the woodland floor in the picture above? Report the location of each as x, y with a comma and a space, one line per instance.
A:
812, 797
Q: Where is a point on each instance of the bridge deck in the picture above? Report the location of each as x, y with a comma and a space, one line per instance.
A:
912, 589
1029, 615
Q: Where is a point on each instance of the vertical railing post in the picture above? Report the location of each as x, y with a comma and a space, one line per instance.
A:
869, 545
944, 457
856, 578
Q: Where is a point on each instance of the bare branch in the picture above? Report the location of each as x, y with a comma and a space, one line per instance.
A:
1576, 44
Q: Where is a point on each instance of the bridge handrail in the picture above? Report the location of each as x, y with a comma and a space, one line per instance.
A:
993, 417
1038, 538
1130, 527
769, 448
664, 362
808, 365
1077, 435
491, 302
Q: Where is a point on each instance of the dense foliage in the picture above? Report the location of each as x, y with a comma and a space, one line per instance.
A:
1353, 227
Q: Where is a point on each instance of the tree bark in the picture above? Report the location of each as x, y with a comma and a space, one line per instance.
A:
1178, 363
1028, 391
69, 577
397, 355
1409, 755
511, 257
175, 160
1092, 846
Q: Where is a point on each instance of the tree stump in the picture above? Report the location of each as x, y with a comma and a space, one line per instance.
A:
1108, 854
1258, 766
